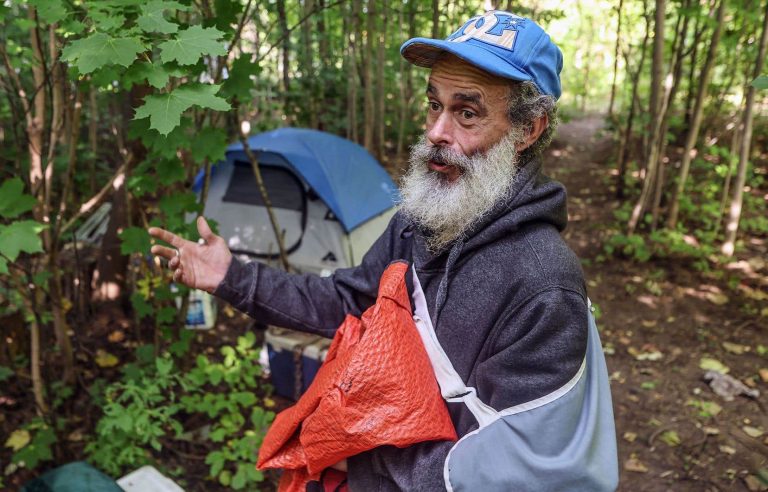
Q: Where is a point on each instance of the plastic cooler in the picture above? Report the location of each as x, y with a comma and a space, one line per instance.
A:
294, 359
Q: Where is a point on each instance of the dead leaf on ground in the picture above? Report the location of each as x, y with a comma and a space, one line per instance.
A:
624, 340
630, 436
717, 298
763, 374
711, 431
76, 435
649, 323
752, 431
647, 352
105, 359
710, 364
754, 484
635, 465
736, 348
670, 438
754, 294
116, 336
726, 449
18, 439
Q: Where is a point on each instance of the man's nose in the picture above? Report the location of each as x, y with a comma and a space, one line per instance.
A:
441, 131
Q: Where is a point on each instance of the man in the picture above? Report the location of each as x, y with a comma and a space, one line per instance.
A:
505, 295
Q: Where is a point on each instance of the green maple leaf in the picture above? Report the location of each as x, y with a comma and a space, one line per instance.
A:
191, 44
50, 11
152, 20
13, 201
155, 74
98, 50
141, 306
170, 171
177, 204
226, 13
165, 110
239, 83
134, 240
20, 236
761, 82
209, 143
105, 18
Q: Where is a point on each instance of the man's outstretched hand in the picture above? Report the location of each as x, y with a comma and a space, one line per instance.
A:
198, 265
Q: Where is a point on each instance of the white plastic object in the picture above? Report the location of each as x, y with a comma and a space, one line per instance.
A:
148, 479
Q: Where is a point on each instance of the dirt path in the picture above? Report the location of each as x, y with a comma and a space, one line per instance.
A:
657, 321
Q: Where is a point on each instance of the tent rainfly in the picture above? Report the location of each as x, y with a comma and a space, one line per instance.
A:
331, 199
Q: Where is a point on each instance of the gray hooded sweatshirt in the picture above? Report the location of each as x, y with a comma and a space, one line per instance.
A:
510, 310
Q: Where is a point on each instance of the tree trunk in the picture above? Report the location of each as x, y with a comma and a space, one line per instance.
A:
435, 19
734, 215
692, 75
31, 303
406, 82
368, 99
615, 59
668, 103
623, 154
93, 128
109, 277
656, 100
352, 79
738, 132
285, 50
307, 70
698, 112
381, 89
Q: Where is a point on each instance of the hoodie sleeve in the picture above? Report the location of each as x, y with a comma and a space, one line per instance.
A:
307, 302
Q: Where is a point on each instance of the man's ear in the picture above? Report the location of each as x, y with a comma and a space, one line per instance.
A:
537, 128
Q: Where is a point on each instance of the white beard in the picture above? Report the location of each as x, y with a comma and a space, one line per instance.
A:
449, 209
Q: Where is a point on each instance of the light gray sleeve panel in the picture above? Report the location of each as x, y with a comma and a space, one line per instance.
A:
565, 441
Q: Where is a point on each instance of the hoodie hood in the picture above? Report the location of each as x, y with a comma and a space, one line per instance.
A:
532, 198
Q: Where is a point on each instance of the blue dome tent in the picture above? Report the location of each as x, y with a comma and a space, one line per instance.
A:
331, 198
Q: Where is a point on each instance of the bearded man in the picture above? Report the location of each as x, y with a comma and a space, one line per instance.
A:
481, 226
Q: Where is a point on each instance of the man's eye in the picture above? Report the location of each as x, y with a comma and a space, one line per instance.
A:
467, 115
433, 106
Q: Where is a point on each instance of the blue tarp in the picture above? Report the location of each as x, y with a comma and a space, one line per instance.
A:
348, 179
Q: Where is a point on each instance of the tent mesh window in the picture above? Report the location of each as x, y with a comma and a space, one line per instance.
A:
284, 188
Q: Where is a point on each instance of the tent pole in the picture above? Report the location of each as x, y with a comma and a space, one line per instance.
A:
267, 203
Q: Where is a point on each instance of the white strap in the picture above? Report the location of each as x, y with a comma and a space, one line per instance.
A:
452, 387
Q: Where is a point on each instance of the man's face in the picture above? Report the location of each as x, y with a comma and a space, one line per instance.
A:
467, 111
467, 159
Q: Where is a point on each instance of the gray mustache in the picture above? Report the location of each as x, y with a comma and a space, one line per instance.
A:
445, 156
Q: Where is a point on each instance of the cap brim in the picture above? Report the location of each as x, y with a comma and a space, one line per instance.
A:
424, 52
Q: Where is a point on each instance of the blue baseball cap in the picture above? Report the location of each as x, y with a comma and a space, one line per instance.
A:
501, 43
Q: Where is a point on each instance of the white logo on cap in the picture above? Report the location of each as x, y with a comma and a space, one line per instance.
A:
496, 28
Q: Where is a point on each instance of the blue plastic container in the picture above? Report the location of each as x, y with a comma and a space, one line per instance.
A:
293, 355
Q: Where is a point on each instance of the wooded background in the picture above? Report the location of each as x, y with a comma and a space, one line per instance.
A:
124, 101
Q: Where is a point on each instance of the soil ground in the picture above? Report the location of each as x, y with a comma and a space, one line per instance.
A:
657, 321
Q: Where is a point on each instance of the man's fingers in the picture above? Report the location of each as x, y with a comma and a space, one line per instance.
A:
167, 253
166, 236
204, 229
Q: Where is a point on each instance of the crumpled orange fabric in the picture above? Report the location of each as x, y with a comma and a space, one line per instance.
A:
376, 387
